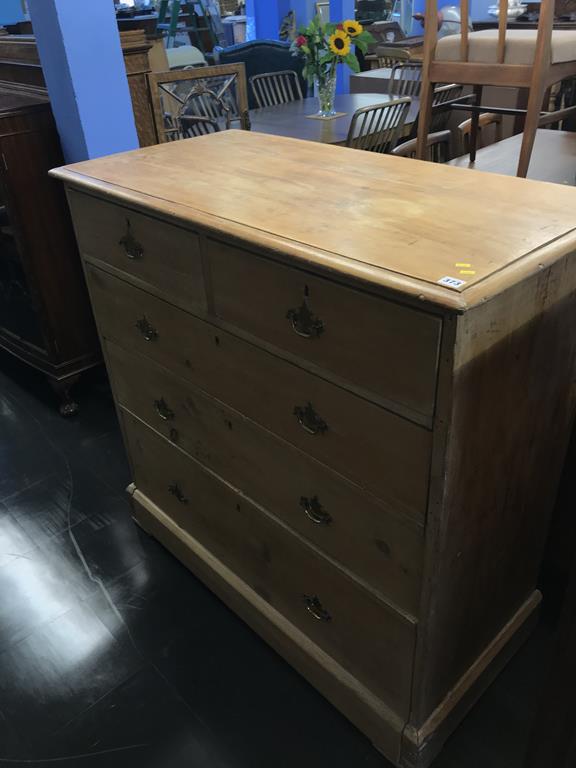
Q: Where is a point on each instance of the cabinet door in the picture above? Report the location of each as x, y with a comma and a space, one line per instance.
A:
18, 315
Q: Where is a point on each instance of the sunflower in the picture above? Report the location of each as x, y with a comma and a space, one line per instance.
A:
339, 43
352, 28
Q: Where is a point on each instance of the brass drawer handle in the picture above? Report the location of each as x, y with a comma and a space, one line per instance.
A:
314, 511
132, 248
315, 607
146, 329
304, 323
309, 420
163, 410
176, 491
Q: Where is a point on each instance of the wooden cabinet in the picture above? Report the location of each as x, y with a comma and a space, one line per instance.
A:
346, 405
45, 314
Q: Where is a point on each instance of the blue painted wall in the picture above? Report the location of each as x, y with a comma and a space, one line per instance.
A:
86, 76
11, 11
479, 9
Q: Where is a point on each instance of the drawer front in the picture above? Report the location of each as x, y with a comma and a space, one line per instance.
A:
153, 253
347, 524
383, 347
364, 635
378, 450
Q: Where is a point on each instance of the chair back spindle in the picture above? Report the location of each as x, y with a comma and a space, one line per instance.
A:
273, 88
443, 94
502, 21
464, 20
377, 128
405, 80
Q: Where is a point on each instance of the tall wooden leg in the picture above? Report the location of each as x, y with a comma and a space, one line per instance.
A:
530, 128
63, 389
475, 121
425, 118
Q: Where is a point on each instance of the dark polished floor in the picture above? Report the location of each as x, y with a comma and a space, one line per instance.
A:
112, 654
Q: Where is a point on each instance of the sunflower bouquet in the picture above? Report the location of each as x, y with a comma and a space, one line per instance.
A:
324, 47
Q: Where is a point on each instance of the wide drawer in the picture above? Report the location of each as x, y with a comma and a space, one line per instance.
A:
375, 448
364, 635
153, 253
381, 346
346, 523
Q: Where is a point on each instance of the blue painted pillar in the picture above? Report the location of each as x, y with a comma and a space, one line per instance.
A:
82, 60
340, 10
264, 18
305, 10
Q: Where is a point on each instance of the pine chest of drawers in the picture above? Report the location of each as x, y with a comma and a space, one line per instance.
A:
345, 384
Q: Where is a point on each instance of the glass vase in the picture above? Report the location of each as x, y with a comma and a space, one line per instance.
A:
326, 93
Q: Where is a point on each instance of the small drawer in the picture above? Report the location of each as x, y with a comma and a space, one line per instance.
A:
376, 449
380, 547
155, 254
364, 635
383, 347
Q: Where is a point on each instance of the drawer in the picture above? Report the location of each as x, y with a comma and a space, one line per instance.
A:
153, 253
383, 549
378, 450
365, 636
383, 347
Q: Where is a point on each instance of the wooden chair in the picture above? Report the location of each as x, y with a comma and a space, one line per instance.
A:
529, 59
273, 88
378, 128
442, 95
193, 101
485, 121
262, 57
405, 80
384, 33
438, 146
386, 56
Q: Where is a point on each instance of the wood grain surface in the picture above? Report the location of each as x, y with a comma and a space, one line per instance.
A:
416, 220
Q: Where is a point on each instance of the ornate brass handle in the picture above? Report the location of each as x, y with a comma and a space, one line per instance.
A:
176, 491
309, 420
315, 607
132, 248
314, 511
304, 323
163, 410
146, 329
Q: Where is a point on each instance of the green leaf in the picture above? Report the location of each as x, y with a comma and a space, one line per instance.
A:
352, 62
361, 45
366, 37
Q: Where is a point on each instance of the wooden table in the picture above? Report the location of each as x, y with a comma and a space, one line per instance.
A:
292, 119
553, 158
373, 81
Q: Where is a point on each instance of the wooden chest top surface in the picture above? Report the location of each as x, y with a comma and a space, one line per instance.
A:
406, 225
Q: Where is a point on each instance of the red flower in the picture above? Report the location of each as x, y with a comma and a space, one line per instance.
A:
301, 40
340, 26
